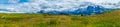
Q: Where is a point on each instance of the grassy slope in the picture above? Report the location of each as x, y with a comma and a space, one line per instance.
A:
110, 19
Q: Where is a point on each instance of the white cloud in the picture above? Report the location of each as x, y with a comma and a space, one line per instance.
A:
59, 5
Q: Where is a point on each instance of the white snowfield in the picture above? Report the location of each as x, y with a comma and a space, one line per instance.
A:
33, 6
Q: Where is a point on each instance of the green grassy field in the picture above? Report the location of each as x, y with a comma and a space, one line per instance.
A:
109, 19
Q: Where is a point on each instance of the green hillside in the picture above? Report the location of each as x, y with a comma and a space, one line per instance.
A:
109, 19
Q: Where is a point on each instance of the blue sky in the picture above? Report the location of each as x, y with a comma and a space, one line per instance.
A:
3, 1
7, 1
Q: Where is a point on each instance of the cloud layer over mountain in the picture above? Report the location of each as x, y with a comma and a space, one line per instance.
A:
58, 6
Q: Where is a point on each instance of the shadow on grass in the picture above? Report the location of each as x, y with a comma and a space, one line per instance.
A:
50, 23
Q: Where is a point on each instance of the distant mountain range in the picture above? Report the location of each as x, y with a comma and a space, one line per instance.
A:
76, 7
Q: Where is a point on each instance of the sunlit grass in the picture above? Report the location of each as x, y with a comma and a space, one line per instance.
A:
109, 19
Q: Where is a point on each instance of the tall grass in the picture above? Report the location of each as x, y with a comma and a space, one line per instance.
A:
109, 19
